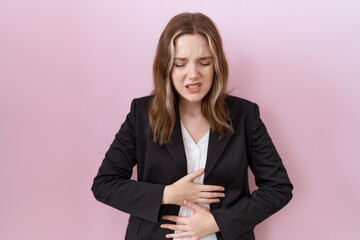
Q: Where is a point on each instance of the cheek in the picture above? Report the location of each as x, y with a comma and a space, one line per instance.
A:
210, 75
175, 79
176, 76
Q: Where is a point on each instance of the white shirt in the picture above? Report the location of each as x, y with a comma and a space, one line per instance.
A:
196, 155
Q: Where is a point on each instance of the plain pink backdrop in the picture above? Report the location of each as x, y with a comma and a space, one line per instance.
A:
69, 70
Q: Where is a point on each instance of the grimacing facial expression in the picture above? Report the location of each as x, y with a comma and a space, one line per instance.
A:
193, 70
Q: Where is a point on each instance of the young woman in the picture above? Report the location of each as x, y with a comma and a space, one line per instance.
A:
192, 144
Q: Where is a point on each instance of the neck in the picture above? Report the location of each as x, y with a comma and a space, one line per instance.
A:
187, 107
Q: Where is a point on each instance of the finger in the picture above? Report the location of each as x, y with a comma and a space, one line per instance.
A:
194, 238
207, 200
176, 227
191, 205
178, 235
194, 206
191, 177
211, 188
207, 208
211, 195
173, 218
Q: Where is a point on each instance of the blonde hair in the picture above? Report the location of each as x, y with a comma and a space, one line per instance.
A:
161, 109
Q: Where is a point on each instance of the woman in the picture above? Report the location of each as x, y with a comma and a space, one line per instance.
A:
192, 144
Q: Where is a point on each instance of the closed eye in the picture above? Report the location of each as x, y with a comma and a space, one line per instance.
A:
182, 65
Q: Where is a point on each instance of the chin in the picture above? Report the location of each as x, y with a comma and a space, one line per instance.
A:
194, 99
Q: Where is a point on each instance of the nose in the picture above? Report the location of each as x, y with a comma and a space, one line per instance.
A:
193, 72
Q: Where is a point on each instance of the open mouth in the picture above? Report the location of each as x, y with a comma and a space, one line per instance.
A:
193, 86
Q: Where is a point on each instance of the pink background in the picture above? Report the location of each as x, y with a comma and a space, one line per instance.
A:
69, 69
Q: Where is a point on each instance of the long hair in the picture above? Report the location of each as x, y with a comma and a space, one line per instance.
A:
161, 109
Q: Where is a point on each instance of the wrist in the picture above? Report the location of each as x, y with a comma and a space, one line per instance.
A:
214, 225
167, 196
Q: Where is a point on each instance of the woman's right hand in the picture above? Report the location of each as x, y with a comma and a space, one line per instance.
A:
186, 189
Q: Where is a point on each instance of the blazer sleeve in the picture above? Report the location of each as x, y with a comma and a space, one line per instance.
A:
113, 186
274, 187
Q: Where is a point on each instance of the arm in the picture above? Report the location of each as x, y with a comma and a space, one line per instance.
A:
274, 187
113, 186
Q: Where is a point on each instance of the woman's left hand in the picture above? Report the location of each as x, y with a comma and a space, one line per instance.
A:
200, 224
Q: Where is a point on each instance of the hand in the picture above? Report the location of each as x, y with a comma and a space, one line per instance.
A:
185, 188
200, 224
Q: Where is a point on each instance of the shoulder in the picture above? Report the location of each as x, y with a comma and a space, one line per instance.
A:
140, 103
240, 106
138, 112
144, 100
234, 100
244, 112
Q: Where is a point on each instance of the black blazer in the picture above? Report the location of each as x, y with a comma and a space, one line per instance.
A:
227, 165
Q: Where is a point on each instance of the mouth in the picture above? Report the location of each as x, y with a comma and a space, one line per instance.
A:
193, 85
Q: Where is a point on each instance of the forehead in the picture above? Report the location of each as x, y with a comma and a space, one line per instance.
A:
192, 46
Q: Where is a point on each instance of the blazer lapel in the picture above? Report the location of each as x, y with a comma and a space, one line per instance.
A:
216, 147
176, 148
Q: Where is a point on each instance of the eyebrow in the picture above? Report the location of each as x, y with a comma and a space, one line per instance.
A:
183, 59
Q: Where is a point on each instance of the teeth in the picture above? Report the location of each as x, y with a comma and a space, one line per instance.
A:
193, 86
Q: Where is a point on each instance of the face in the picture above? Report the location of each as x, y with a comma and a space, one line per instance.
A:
193, 70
